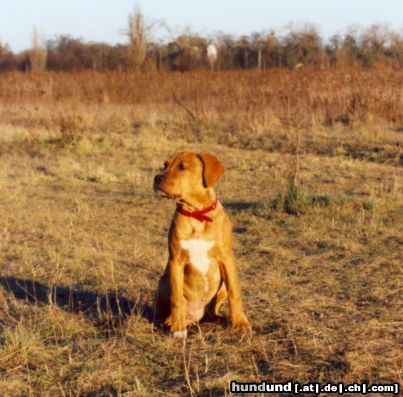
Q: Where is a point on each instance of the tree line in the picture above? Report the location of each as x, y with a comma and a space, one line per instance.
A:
188, 51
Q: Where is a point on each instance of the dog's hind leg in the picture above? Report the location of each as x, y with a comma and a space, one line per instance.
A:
213, 308
219, 299
162, 306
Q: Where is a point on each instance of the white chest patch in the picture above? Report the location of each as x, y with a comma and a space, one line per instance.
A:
198, 255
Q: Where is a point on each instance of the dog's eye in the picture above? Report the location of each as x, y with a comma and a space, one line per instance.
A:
182, 166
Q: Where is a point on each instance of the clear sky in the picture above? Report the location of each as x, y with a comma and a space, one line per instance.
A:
105, 20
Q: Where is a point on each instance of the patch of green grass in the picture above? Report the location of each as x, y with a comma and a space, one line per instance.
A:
298, 201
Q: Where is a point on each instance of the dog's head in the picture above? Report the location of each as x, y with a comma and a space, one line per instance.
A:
188, 174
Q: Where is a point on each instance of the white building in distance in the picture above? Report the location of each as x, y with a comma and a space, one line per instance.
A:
212, 55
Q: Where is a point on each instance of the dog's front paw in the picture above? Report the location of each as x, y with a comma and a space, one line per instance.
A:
178, 324
242, 325
180, 334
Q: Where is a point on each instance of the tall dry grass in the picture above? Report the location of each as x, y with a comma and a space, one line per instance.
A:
299, 98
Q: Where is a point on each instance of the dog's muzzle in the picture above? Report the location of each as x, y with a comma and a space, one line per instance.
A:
157, 181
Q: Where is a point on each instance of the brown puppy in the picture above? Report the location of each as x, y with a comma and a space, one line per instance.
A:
201, 270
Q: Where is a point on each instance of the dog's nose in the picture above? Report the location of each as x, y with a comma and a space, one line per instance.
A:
158, 179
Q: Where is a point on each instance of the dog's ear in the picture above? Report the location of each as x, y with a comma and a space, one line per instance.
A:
212, 169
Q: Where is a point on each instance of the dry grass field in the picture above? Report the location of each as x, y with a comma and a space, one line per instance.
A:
83, 236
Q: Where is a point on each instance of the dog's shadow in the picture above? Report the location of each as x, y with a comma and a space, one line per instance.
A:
239, 205
98, 306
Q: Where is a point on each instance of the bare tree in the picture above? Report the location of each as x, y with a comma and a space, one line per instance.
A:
303, 46
396, 47
37, 54
227, 50
350, 52
274, 50
7, 59
137, 48
187, 51
243, 51
373, 43
257, 48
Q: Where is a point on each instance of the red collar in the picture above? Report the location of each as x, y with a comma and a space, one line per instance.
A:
199, 215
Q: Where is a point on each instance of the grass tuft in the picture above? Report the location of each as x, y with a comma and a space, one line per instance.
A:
298, 201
